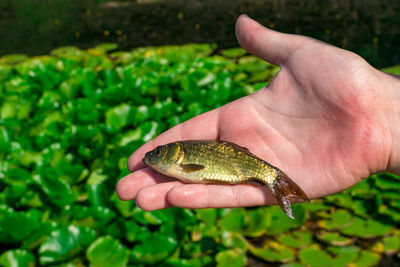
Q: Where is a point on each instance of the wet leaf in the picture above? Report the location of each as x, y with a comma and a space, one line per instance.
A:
281, 223
65, 243
234, 52
107, 251
366, 228
153, 249
366, 259
296, 239
233, 257
273, 251
335, 238
16, 258
316, 256
16, 226
339, 219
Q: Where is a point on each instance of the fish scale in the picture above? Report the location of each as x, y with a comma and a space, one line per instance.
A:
211, 161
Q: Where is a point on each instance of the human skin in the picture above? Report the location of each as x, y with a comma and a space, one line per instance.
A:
328, 119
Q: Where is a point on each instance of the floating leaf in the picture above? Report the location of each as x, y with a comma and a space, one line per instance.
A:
387, 181
281, 223
233, 240
339, 219
296, 239
153, 249
16, 226
234, 52
65, 243
366, 228
107, 251
16, 258
389, 245
341, 256
13, 58
335, 238
233, 257
366, 259
273, 251
257, 222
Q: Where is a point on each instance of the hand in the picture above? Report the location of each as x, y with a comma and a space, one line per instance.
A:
327, 120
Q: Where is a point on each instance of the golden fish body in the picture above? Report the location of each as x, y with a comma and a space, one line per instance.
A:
222, 162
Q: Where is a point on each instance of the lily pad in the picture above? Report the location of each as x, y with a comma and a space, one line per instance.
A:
335, 238
387, 181
296, 239
208, 216
233, 258
257, 222
16, 258
153, 249
233, 240
16, 226
281, 223
389, 245
234, 52
107, 251
339, 219
65, 243
274, 252
366, 228
233, 220
316, 256
13, 58
367, 259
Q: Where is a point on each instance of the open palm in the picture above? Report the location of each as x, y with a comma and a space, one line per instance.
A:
321, 120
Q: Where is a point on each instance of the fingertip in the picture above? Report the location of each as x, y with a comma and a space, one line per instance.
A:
145, 199
270, 45
123, 189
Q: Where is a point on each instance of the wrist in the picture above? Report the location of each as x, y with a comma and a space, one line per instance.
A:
392, 85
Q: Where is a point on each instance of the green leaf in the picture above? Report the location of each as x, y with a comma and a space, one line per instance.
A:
233, 220
341, 256
65, 243
233, 240
16, 258
13, 58
367, 259
273, 251
339, 219
366, 228
118, 117
281, 223
234, 52
54, 190
233, 258
335, 238
296, 239
257, 222
153, 249
15, 226
387, 181
107, 251
207, 215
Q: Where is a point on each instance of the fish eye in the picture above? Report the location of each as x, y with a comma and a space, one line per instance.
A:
158, 151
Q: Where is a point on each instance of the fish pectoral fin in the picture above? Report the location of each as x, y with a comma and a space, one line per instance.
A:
191, 167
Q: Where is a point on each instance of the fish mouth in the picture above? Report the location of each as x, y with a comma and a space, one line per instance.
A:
146, 158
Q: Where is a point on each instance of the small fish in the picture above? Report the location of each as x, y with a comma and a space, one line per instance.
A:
216, 162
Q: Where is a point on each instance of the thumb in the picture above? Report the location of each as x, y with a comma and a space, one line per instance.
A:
272, 46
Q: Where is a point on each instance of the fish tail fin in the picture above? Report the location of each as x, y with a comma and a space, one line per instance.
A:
284, 189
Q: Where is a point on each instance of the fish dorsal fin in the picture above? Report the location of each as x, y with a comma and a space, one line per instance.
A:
191, 167
237, 147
